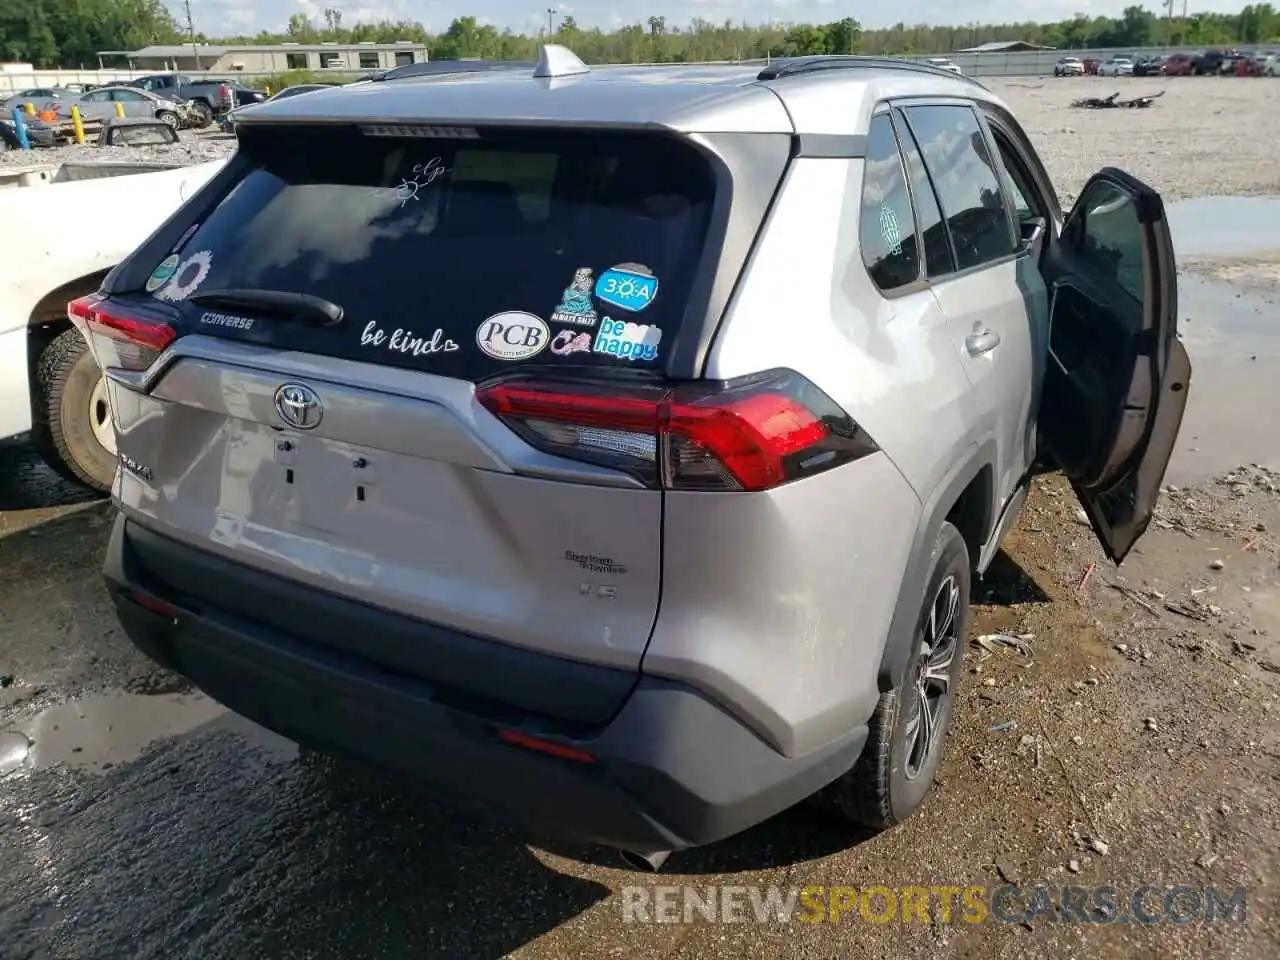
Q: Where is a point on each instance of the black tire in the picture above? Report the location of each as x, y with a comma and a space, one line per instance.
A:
65, 378
206, 114
891, 779
170, 118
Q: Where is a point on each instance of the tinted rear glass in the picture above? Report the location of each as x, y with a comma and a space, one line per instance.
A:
464, 257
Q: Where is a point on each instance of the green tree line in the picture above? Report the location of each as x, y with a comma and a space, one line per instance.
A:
68, 33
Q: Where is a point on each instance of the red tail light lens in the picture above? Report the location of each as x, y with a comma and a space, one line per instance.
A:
118, 337
753, 434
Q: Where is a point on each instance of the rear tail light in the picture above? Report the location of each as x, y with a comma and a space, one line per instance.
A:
752, 434
225, 93
118, 337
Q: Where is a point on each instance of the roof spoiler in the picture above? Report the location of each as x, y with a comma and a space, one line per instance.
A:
557, 61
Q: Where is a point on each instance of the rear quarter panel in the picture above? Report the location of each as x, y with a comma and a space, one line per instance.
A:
780, 604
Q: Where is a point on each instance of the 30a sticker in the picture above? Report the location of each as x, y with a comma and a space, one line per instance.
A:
513, 335
570, 341
627, 286
626, 340
575, 303
187, 277
163, 272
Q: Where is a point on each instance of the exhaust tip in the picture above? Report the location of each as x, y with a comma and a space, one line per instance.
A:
649, 862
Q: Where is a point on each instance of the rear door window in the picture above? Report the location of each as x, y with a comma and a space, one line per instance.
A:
964, 176
462, 256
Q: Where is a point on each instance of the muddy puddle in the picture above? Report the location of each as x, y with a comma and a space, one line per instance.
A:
102, 731
1228, 249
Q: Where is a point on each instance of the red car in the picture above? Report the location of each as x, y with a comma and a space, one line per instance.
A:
1179, 65
1249, 67
1091, 65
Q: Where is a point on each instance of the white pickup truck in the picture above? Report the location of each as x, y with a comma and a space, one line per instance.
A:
58, 238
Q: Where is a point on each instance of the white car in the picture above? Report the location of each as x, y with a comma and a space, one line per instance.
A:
945, 64
1069, 67
1117, 67
50, 384
1271, 65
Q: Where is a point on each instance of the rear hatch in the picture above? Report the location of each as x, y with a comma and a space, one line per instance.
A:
336, 439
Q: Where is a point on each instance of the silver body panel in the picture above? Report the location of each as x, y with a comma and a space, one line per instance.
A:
775, 605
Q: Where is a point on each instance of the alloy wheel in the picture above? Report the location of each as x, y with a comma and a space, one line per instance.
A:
939, 645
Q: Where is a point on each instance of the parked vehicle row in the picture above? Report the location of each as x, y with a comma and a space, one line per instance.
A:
1208, 63
176, 99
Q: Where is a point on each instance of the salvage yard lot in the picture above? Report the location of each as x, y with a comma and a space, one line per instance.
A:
1137, 744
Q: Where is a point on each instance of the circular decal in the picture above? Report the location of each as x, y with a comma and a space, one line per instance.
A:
188, 276
513, 335
163, 273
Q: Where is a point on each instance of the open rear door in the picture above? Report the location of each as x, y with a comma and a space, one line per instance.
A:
1117, 377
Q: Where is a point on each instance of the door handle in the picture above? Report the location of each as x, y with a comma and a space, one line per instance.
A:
981, 341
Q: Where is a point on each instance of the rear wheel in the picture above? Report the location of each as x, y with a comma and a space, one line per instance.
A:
72, 422
909, 727
204, 112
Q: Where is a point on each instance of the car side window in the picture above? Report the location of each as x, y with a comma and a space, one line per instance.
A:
937, 245
91, 98
1104, 229
887, 231
128, 96
964, 175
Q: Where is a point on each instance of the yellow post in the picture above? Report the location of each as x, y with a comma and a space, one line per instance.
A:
120, 110
77, 123
30, 108
267, 88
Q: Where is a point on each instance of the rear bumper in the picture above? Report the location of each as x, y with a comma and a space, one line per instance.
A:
670, 770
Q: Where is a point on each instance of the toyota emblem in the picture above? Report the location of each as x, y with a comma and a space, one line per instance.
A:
299, 406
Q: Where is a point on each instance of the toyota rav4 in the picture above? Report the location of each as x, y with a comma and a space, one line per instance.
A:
620, 445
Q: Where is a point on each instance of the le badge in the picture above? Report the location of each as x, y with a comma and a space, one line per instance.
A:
575, 303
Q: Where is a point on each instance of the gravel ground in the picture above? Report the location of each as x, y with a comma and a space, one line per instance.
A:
192, 147
1133, 742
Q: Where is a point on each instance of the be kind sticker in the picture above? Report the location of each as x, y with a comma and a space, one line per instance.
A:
627, 286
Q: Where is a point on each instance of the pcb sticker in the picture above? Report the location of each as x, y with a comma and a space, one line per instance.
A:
626, 340
187, 277
627, 286
513, 335
570, 341
575, 303
163, 272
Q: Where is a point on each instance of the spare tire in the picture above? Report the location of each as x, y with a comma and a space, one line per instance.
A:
71, 422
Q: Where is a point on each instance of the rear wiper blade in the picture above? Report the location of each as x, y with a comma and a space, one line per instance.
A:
280, 303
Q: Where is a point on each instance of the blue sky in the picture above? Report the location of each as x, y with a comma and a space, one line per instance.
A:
214, 17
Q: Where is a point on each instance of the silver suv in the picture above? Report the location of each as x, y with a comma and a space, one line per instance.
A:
620, 445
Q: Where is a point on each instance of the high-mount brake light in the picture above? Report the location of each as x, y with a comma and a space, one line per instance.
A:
117, 336
747, 435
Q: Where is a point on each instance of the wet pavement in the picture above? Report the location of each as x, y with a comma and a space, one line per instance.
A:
1231, 331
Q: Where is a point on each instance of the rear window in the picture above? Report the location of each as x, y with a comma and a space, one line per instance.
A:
464, 257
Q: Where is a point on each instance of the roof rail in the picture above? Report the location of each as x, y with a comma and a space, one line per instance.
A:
431, 68
557, 61
795, 66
